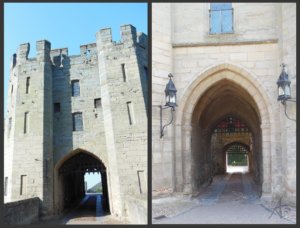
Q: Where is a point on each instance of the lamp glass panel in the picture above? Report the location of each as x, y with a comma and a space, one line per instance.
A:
287, 90
167, 98
172, 99
280, 91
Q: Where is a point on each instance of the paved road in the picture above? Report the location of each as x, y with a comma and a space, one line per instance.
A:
230, 199
89, 211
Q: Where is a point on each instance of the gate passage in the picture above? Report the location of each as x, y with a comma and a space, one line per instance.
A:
73, 171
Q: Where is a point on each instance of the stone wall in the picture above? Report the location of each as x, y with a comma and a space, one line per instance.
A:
251, 22
162, 65
22, 212
138, 210
288, 142
260, 42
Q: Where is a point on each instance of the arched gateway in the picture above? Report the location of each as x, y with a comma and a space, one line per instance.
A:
223, 90
69, 181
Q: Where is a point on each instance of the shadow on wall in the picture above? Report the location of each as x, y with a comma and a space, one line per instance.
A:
62, 119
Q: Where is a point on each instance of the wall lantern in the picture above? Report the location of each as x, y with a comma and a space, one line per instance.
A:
170, 93
284, 88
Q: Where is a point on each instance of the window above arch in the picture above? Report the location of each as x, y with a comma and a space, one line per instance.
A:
221, 18
77, 121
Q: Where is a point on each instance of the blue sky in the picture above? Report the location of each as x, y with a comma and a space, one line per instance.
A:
65, 25
92, 179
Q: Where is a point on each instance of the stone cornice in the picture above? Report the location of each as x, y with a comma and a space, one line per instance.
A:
246, 42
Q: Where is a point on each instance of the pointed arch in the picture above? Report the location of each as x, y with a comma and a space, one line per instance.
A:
204, 80
234, 75
66, 157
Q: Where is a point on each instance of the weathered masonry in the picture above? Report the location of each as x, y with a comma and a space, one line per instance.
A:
225, 59
68, 115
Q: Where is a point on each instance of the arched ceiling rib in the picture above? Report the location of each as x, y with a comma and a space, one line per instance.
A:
226, 98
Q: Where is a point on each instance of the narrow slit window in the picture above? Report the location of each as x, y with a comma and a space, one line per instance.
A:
97, 103
27, 84
26, 122
75, 88
12, 89
9, 125
5, 186
124, 72
77, 121
23, 186
142, 181
130, 113
14, 60
146, 73
56, 107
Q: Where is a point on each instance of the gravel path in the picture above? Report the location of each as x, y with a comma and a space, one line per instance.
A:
234, 200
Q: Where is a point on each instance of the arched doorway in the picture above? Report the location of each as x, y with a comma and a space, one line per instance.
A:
237, 158
229, 115
224, 90
231, 139
70, 181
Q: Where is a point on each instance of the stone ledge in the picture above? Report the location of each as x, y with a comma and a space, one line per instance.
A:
204, 44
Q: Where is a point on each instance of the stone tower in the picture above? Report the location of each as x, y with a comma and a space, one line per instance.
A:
28, 147
124, 111
41, 139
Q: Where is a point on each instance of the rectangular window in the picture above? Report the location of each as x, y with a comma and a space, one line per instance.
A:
26, 122
23, 186
9, 125
77, 121
221, 18
124, 72
75, 88
27, 84
56, 107
130, 113
5, 185
97, 103
146, 73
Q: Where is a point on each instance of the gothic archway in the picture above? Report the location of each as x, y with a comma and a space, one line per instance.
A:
198, 113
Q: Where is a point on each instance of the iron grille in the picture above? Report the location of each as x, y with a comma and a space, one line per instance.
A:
231, 125
237, 149
81, 163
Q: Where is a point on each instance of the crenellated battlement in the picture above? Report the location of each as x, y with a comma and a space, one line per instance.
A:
129, 36
43, 48
23, 52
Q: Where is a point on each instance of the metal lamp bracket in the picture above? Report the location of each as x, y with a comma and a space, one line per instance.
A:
162, 127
